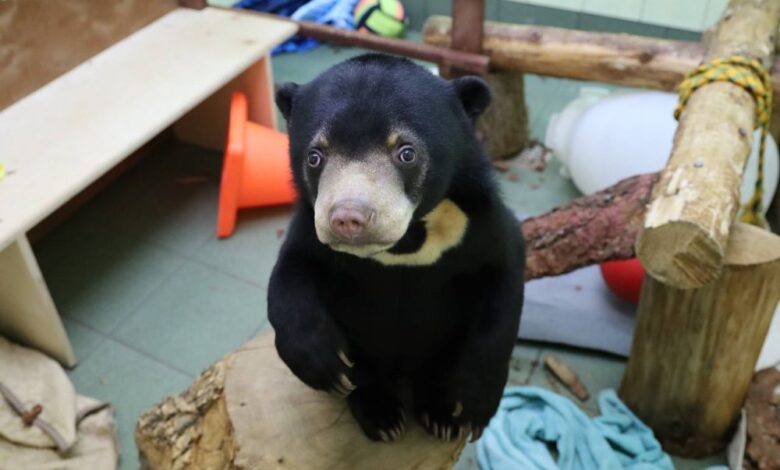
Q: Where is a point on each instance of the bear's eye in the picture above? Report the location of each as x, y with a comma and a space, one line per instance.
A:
407, 154
314, 159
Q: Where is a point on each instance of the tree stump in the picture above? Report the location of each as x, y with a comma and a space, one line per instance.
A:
503, 127
248, 411
694, 350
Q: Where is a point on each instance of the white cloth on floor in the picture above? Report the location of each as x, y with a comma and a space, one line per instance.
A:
70, 432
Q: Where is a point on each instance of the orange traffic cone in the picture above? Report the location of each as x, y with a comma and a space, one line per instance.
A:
256, 170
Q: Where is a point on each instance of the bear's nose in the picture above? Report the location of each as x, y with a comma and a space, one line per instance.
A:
349, 220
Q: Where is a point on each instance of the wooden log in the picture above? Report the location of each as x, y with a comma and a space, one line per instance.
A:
591, 229
248, 411
620, 59
695, 350
697, 196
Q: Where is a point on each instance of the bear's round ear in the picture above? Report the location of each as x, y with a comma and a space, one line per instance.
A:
474, 94
284, 98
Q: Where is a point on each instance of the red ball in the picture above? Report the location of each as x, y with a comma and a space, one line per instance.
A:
624, 278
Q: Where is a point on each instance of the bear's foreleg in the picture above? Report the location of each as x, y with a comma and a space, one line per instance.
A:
461, 399
307, 338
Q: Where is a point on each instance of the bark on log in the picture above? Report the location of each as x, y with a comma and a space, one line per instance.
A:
697, 196
620, 59
248, 411
591, 229
763, 421
695, 350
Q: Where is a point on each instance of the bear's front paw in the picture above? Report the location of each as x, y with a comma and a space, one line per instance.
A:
378, 413
459, 411
320, 364
446, 421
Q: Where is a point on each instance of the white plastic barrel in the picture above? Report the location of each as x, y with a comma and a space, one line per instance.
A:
601, 138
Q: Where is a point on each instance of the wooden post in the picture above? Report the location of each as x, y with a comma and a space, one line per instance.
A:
248, 411
503, 127
695, 350
697, 197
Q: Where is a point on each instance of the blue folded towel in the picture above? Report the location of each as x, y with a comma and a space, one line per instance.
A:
337, 13
531, 418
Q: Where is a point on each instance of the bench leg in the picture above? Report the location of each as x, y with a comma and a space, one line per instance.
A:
27, 312
206, 125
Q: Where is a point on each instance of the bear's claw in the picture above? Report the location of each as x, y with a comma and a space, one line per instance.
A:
379, 413
345, 359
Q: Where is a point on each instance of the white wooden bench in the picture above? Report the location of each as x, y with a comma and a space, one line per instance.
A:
58, 140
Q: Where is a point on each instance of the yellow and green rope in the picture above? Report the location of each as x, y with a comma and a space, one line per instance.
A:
753, 77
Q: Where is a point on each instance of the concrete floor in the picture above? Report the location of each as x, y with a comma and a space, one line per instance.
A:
150, 297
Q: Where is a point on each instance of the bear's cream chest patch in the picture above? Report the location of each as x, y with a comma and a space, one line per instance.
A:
445, 228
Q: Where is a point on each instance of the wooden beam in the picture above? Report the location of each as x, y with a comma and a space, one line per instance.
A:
695, 350
697, 197
620, 59
472, 63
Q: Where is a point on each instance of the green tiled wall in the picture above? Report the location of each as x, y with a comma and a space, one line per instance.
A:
692, 15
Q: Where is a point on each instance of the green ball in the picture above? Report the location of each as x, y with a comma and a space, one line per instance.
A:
383, 17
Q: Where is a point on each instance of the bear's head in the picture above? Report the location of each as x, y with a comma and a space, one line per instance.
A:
375, 143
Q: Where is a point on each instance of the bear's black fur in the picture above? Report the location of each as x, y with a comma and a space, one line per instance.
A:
359, 327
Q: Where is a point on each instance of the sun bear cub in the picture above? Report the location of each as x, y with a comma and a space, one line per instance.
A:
402, 268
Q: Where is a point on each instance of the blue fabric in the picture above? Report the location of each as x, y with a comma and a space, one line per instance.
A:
530, 418
277, 7
337, 13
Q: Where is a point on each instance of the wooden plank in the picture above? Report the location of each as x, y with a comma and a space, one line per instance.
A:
59, 139
27, 312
